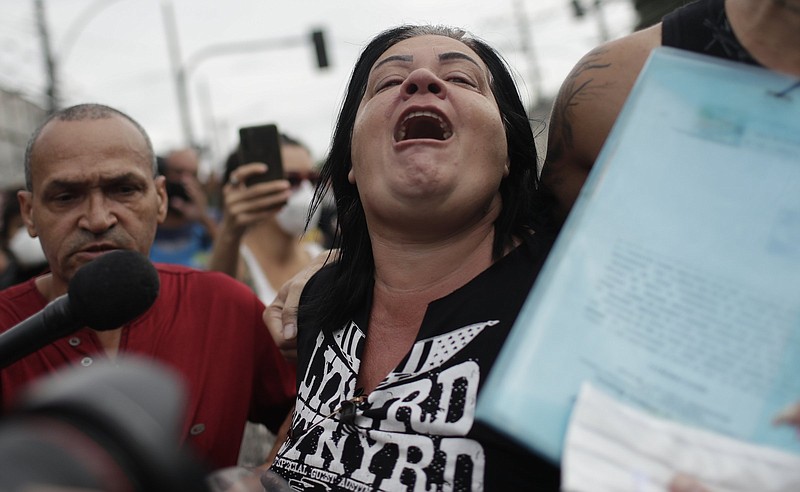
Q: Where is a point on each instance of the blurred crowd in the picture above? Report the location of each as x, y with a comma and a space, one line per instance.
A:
196, 209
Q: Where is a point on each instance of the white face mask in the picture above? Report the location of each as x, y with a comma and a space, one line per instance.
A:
292, 217
26, 249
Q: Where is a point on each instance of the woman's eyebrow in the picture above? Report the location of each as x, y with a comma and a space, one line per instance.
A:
456, 55
450, 55
402, 58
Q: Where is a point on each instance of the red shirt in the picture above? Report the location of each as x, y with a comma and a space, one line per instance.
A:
205, 325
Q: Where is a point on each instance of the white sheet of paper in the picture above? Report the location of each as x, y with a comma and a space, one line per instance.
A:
613, 447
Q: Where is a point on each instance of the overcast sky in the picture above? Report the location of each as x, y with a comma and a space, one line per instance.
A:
116, 52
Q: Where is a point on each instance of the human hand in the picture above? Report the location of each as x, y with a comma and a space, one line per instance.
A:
281, 316
685, 483
246, 205
789, 416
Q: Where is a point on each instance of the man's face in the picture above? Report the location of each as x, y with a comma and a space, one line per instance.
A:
182, 165
93, 192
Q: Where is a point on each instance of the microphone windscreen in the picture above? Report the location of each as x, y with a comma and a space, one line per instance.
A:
113, 289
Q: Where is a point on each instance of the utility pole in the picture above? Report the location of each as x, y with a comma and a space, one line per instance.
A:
50, 69
602, 24
178, 71
534, 72
578, 10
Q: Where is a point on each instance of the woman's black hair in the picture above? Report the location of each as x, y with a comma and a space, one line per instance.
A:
354, 272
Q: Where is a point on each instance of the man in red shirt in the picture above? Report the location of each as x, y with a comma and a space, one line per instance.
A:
92, 187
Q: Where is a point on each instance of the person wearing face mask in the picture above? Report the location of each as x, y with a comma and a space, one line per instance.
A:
258, 243
262, 245
22, 254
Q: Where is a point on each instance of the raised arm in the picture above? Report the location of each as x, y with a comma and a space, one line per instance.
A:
243, 206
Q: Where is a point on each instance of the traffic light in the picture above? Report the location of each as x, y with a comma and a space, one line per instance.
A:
319, 46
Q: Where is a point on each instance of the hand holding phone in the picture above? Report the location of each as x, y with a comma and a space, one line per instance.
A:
261, 144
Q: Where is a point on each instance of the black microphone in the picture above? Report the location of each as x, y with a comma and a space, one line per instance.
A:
104, 294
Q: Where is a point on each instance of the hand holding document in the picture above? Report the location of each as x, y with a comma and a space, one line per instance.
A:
615, 447
789, 416
674, 287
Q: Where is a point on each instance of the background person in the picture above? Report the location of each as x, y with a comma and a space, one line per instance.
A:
187, 233
92, 187
259, 238
259, 242
21, 256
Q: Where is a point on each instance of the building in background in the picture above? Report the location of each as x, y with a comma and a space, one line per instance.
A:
18, 118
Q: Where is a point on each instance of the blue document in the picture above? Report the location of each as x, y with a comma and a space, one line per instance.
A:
675, 283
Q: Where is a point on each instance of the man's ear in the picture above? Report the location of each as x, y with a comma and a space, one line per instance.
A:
351, 177
163, 200
25, 199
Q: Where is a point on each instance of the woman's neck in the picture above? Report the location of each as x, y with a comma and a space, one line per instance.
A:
423, 272
408, 277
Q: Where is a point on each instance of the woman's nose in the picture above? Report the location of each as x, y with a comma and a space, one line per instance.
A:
423, 81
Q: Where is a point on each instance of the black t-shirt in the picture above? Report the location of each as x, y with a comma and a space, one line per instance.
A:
416, 430
703, 27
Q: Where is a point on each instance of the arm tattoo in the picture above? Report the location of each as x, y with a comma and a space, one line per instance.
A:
570, 95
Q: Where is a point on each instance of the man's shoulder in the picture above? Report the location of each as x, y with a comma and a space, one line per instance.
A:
182, 277
190, 273
21, 290
19, 302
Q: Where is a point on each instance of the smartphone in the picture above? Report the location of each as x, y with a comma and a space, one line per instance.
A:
261, 144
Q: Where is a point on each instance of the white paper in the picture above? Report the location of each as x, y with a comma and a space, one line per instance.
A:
615, 447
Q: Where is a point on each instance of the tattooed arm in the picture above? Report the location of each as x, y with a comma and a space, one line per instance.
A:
587, 104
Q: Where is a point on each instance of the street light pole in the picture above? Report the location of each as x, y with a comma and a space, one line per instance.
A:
55, 61
50, 69
70, 36
183, 69
179, 71
527, 47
